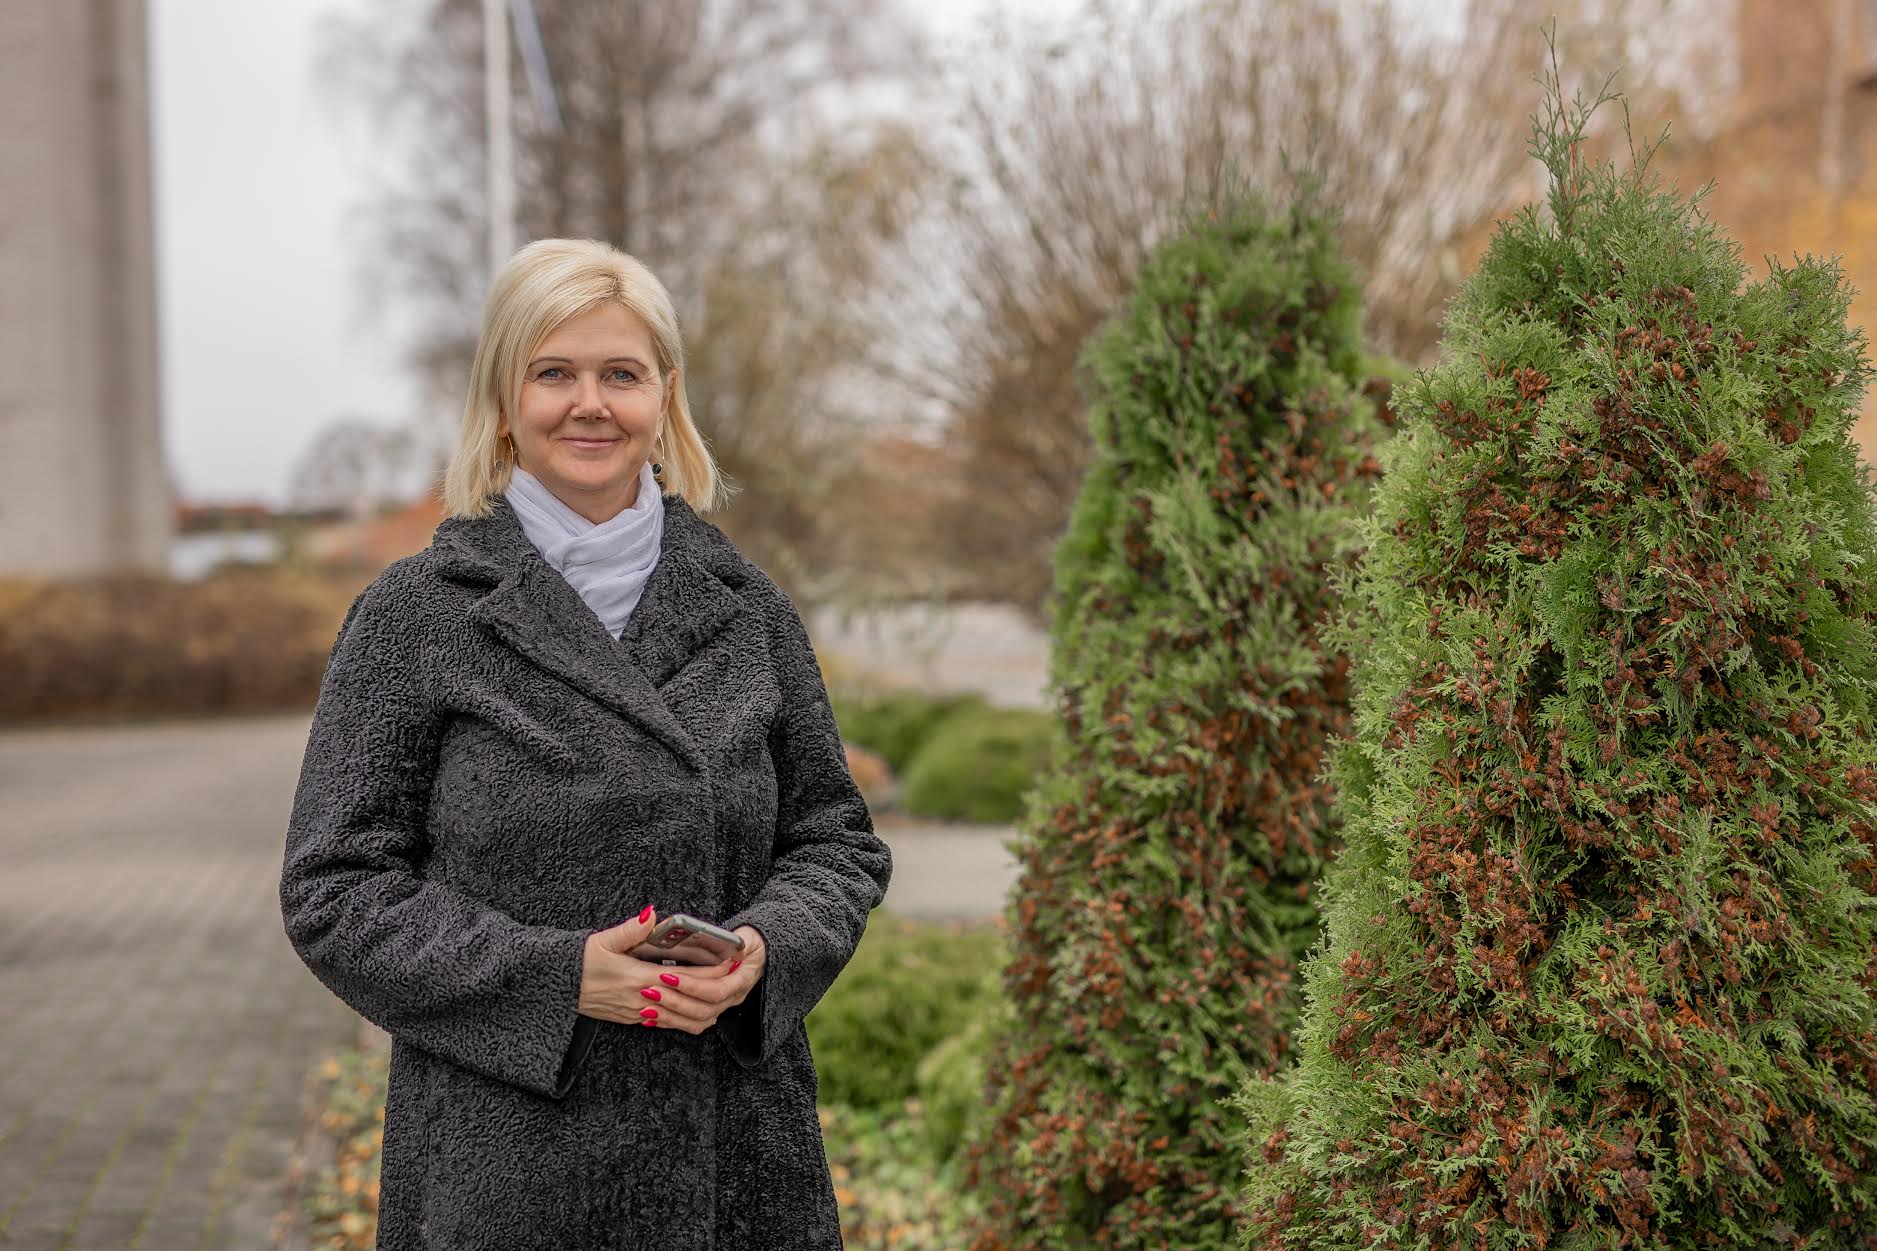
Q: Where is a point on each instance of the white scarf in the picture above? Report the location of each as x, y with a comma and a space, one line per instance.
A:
607, 563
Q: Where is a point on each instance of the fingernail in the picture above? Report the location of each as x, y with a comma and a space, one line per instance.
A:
653, 1024
650, 1014
735, 965
669, 979
646, 915
651, 992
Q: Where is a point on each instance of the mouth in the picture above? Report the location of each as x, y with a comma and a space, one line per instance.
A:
590, 443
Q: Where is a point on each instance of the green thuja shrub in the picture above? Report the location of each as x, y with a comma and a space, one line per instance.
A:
1599, 960
1168, 855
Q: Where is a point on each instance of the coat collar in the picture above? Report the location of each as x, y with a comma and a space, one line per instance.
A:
688, 600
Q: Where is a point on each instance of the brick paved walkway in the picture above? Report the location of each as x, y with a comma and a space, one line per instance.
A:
945, 871
155, 1027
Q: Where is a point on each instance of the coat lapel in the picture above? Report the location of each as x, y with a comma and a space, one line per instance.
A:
531, 608
685, 605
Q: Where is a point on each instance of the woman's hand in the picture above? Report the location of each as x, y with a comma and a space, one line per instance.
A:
692, 997
615, 986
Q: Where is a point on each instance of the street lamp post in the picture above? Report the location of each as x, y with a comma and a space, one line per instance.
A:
497, 107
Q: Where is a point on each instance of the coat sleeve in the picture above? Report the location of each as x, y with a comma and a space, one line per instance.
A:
829, 868
428, 964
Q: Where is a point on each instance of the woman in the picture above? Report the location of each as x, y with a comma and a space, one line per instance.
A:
580, 708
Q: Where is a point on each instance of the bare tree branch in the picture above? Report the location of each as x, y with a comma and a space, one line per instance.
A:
699, 137
1077, 147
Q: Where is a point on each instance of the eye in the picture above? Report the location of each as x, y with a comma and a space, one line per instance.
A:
621, 374
551, 370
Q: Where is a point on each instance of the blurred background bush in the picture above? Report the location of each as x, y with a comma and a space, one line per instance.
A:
909, 988
139, 645
957, 757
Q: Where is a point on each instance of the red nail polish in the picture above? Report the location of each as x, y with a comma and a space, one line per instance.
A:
669, 979
650, 1014
651, 992
653, 1024
735, 965
646, 915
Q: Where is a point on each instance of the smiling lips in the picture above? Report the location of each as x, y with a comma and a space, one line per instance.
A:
592, 442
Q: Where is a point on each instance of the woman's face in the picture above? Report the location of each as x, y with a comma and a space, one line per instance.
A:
592, 407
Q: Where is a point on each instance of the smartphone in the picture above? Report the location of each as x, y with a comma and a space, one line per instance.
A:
683, 939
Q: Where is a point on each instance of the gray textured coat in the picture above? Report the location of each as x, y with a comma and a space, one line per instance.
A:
491, 777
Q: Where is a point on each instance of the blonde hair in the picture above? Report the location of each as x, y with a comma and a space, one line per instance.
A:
543, 285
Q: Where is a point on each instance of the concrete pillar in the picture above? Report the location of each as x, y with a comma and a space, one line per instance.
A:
83, 484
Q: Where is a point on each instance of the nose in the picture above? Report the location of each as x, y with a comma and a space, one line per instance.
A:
587, 398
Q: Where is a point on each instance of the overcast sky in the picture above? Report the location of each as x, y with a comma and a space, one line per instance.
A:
264, 333
263, 336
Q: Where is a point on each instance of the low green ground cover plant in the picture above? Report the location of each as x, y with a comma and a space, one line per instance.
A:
910, 986
339, 1203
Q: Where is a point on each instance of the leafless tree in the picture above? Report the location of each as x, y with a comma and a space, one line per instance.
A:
777, 355
1077, 146
729, 144
940, 261
357, 465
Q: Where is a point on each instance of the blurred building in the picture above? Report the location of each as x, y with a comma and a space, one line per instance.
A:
83, 487
1794, 153
374, 542
210, 537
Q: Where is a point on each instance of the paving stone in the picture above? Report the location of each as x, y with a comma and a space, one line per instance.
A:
947, 871
155, 1026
